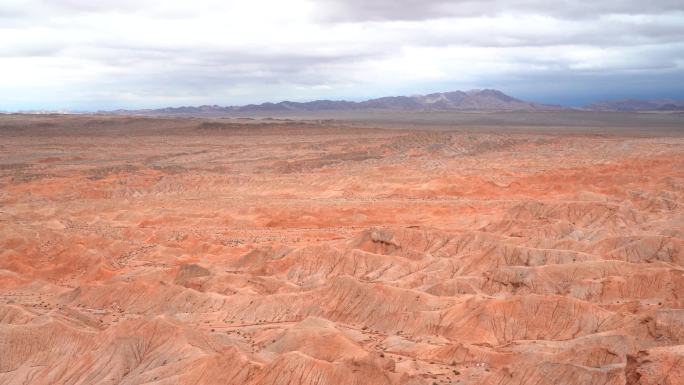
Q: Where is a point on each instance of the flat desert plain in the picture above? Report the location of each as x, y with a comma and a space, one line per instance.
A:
138, 250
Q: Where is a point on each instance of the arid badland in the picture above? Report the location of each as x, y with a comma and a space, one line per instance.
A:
505, 249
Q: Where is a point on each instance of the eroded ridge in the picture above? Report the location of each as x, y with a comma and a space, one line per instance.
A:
180, 251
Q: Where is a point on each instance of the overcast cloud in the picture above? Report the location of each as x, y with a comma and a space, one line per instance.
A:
106, 54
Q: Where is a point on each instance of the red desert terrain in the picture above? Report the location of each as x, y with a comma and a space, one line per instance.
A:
159, 251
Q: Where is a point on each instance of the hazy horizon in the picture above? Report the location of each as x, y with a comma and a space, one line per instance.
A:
152, 107
86, 56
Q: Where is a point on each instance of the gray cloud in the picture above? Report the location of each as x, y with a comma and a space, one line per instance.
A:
601, 32
360, 10
152, 53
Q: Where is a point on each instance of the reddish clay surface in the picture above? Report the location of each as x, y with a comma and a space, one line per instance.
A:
164, 251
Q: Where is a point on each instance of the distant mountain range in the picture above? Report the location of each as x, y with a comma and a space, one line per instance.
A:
474, 100
637, 105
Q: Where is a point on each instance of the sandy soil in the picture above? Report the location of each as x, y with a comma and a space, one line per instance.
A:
231, 251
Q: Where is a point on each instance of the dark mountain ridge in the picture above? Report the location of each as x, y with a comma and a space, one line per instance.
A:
637, 105
473, 100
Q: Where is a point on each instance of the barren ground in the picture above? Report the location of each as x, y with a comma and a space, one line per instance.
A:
185, 251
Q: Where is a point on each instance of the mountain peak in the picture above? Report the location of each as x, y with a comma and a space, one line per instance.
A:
472, 100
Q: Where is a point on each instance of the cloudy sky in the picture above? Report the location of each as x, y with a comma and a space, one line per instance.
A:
106, 54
